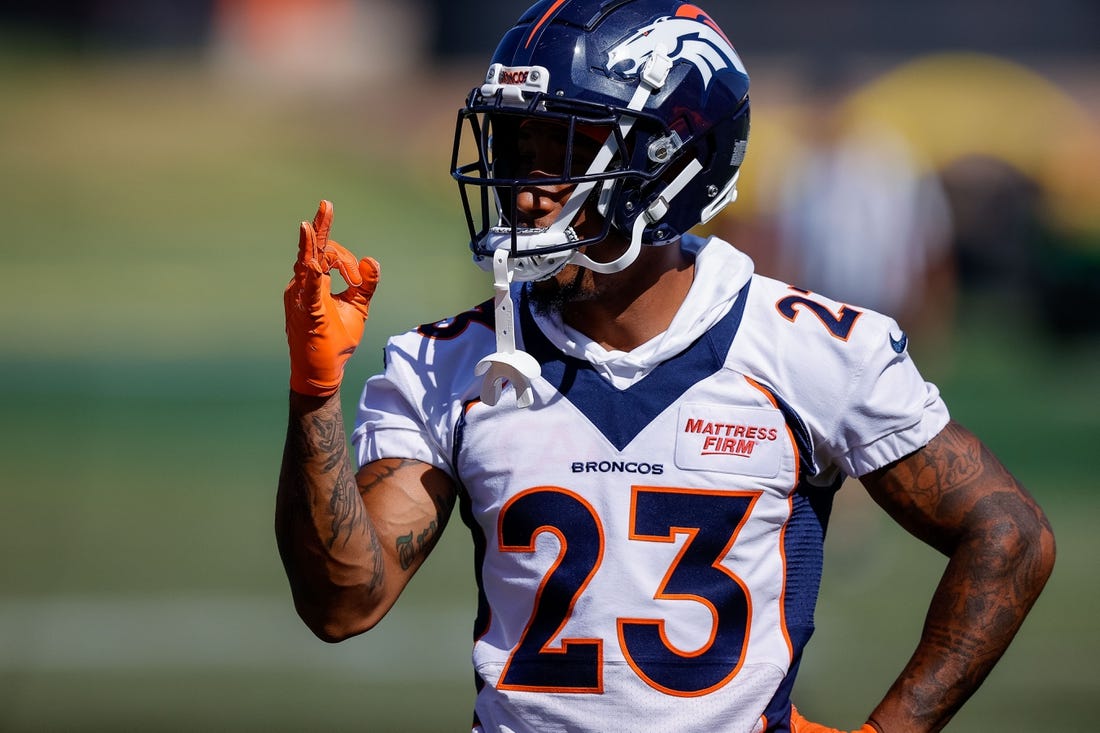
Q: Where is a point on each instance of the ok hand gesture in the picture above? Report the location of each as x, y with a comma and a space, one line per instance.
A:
323, 328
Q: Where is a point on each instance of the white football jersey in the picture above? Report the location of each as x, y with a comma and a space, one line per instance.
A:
648, 534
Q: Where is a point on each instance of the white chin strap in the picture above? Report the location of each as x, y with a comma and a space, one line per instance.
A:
507, 364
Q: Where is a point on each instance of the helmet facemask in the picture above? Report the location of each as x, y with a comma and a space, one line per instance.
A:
582, 147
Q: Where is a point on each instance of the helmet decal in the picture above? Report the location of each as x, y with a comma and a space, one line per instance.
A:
692, 37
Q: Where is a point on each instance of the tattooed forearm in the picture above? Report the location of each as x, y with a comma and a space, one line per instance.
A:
327, 443
330, 549
317, 455
955, 495
377, 562
345, 507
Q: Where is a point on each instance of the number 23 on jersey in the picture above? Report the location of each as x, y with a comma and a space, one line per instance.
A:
710, 520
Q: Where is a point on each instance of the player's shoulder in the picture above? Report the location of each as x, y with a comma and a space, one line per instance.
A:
449, 345
799, 331
455, 329
808, 315
473, 324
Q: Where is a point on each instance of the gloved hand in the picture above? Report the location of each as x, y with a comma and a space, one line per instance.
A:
801, 725
323, 329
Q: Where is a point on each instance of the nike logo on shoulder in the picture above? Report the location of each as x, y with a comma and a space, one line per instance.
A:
899, 343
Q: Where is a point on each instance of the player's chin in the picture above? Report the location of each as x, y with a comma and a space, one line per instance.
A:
553, 294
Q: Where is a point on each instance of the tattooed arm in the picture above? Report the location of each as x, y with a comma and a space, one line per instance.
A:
956, 496
350, 544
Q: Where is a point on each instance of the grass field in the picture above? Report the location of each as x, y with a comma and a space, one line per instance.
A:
149, 217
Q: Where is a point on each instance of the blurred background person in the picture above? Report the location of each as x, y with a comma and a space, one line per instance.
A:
859, 219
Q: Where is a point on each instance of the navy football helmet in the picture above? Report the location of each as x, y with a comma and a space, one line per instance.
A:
650, 104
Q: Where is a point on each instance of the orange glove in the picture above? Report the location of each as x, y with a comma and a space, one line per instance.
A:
323, 329
801, 725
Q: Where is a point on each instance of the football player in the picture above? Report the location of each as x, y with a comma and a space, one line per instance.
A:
643, 435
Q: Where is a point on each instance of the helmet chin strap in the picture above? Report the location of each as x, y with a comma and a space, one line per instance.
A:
652, 214
507, 364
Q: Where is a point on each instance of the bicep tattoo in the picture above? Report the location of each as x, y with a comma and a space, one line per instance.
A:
412, 546
934, 491
416, 545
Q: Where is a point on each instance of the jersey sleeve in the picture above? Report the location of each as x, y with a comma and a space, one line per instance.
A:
390, 422
845, 372
412, 409
890, 410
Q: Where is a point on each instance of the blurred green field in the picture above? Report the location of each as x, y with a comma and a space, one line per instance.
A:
150, 215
